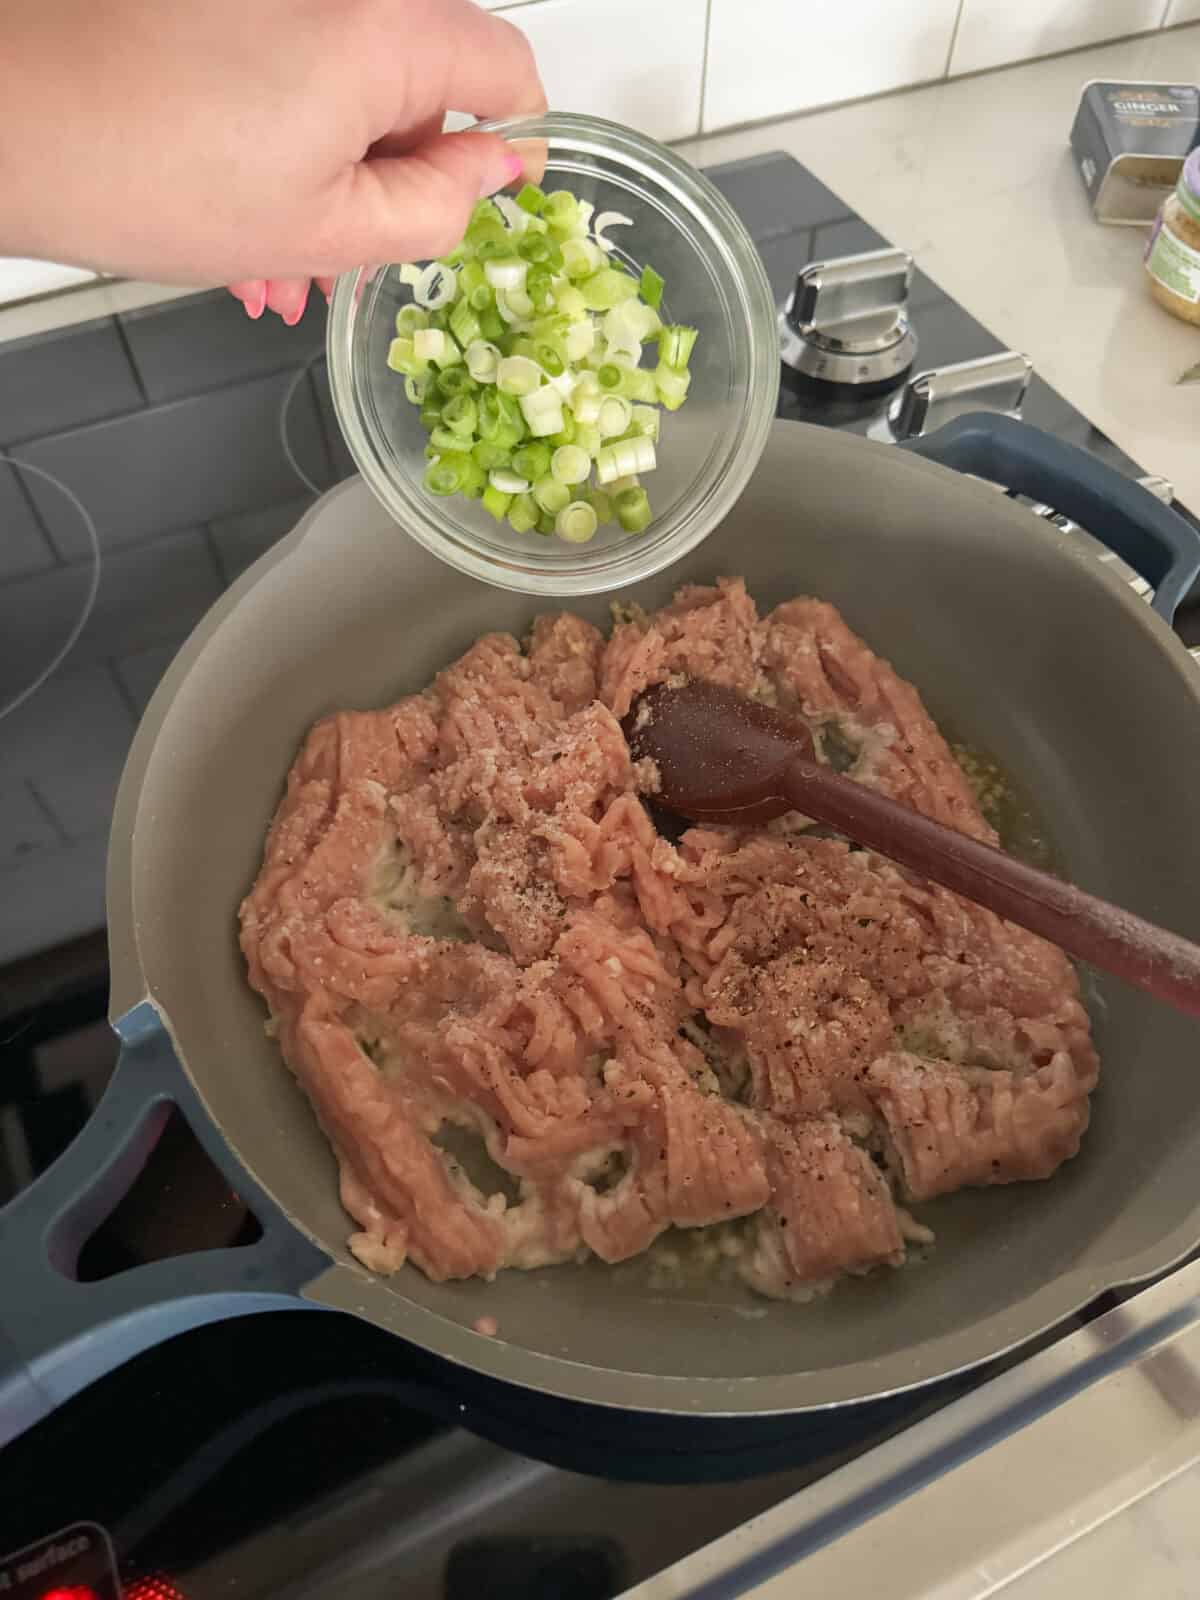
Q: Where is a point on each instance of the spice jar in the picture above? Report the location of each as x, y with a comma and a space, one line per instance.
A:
1173, 251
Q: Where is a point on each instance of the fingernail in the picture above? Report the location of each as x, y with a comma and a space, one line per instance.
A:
256, 302
291, 318
506, 171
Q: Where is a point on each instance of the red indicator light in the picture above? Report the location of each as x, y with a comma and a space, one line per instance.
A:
77, 1591
154, 1587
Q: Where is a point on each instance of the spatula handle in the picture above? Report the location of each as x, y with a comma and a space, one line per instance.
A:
1164, 964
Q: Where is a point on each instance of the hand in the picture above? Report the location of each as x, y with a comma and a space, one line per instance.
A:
259, 143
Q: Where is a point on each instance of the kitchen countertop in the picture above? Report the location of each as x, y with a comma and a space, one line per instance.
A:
975, 178
1072, 1476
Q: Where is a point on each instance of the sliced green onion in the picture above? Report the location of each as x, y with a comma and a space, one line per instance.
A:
523, 350
523, 514
532, 461
496, 503
566, 430
453, 381
518, 375
464, 323
601, 504
579, 340
637, 384
543, 412
625, 457
605, 221
585, 407
491, 324
615, 416
647, 419
633, 509
672, 385
459, 415
507, 272
551, 495
536, 248
675, 346
576, 523
560, 208
490, 456
514, 305
651, 288
507, 481
444, 438
570, 464
487, 231
470, 277
429, 344
436, 287
607, 288
483, 360
581, 258
588, 437
443, 476
402, 357
531, 199
572, 304
548, 358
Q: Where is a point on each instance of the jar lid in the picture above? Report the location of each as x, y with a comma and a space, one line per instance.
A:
1187, 190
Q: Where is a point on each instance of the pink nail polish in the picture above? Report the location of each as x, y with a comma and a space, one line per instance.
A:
504, 173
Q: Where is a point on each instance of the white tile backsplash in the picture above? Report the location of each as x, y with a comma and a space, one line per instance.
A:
992, 33
627, 60
768, 57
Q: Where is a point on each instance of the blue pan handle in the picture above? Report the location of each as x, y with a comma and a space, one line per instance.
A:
57, 1334
1155, 541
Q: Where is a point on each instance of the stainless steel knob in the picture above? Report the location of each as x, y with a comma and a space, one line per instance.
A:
846, 321
992, 383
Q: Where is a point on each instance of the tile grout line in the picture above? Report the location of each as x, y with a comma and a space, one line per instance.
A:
126, 698
958, 16
21, 478
47, 811
127, 348
214, 554
708, 10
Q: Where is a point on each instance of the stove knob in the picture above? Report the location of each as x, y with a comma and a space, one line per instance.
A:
845, 321
993, 383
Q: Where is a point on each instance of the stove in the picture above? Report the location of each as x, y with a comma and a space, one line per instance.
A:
293, 1454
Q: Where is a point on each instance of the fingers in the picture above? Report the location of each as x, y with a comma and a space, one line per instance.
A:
490, 68
252, 292
416, 206
288, 297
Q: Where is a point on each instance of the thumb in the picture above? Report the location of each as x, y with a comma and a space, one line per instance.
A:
416, 206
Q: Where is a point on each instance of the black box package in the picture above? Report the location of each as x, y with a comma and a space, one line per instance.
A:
1129, 141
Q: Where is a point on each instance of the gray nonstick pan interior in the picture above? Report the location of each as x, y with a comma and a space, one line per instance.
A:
1017, 643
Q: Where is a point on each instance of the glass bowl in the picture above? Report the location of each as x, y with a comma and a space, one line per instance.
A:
715, 282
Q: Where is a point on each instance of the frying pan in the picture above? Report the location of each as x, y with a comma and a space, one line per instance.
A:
1018, 641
